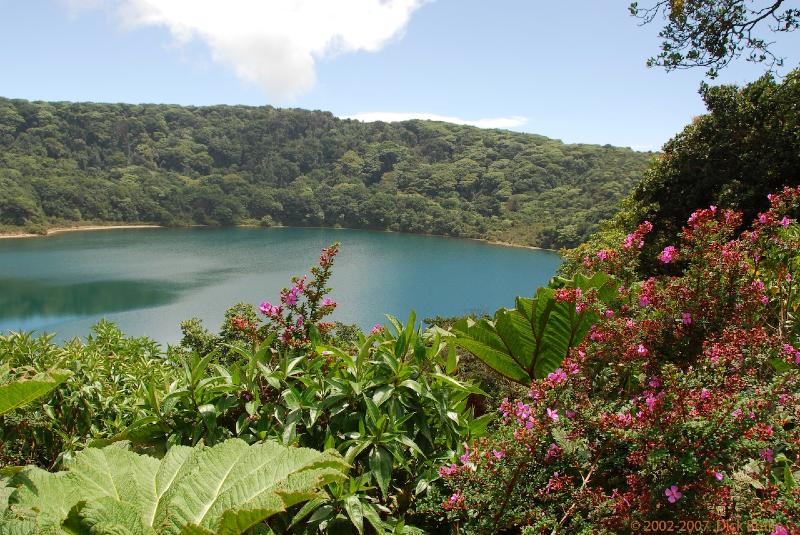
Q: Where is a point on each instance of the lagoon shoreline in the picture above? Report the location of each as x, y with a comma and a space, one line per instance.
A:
85, 228
59, 230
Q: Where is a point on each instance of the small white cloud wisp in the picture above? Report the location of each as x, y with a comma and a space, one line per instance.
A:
514, 121
274, 44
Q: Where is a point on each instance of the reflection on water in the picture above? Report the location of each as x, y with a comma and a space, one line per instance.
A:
149, 280
21, 299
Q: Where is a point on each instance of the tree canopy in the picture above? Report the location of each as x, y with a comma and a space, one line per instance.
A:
712, 33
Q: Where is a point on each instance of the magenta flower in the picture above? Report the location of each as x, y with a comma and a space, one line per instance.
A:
376, 329
719, 476
779, 530
686, 318
552, 452
290, 297
266, 308
673, 494
736, 413
498, 454
602, 254
767, 455
446, 471
327, 302
552, 414
570, 414
558, 376
455, 498
642, 350
628, 243
668, 254
300, 321
705, 394
785, 221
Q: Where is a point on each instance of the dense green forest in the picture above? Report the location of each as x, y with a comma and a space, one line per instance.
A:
225, 165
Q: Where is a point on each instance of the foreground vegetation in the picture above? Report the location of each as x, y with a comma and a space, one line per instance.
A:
64, 163
673, 398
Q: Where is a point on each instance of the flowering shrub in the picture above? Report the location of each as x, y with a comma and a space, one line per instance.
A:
291, 323
681, 404
303, 305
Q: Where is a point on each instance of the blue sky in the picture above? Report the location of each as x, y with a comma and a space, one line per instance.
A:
572, 69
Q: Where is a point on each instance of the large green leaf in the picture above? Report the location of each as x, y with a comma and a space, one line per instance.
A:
21, 392
225, 489
532, 340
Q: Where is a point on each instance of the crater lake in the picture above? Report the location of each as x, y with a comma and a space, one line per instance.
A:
149, 280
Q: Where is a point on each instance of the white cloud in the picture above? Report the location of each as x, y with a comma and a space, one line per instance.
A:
274, 44
514, 121
76, 6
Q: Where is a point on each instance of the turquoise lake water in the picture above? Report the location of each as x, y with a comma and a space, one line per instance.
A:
148, 280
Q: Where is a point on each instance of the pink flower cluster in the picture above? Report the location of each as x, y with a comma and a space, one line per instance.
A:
636, 238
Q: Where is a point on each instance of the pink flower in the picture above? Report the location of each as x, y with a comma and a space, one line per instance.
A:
736, 413
668, 254
642, 350
779, 530
552, 414
446, 471
785, 221
673, 494
609, 313
327, 302
552, 452
558, 376
767, 455
290, 297
686, 318
628, 243
602, 254
455, 498
300, 321
719, 476
266, 308
499, 454
644, 301
376, 329
705, 394
570, 414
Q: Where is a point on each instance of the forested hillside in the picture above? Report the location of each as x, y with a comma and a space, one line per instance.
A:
224, 165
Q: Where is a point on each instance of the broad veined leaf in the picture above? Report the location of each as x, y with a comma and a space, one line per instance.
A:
533, 339
21, 392
225, 489
380, 463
